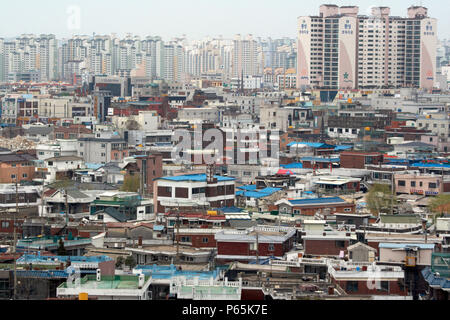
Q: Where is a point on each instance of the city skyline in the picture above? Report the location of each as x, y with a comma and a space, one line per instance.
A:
175, 18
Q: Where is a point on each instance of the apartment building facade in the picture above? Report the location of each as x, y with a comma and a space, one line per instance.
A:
341, 49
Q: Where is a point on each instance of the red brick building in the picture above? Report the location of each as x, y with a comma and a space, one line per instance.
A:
358, 160
197, 238
328, 243
16, 167
256, 242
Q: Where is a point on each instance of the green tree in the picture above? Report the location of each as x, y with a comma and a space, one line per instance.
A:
440, 205
380, 199
120, 261
131, 183
61, 249
130, 262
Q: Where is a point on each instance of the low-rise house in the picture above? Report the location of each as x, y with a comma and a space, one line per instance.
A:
55, 201
410, 254
437, 277
309, 207
359, 160
74, 247
126, 203
370, 279
115, 287
168, 254
360, 252
337, 185
443, 225
16, 167
28, 196
422, 184
197, 238
215, 192
255, 243
58, 168
257, 197
329, 243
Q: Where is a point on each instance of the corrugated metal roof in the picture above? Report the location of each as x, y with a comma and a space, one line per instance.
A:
405, 245
317, 201
292, 166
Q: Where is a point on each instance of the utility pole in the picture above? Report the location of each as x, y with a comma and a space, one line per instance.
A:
178, 235
257, 246
67, 209
15, 236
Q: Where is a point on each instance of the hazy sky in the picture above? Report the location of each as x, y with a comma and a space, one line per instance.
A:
195, 18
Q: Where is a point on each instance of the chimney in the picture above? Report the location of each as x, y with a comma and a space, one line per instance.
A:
99, 275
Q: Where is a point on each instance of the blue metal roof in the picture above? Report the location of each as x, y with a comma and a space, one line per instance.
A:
257, 194
168, 272
195, 177
292, 166
435, 280
249, 187
93, 166
317, 201
340, 148
230, 209
36, 259
158, 228
405, 245
319, 159
315, 145
430, 165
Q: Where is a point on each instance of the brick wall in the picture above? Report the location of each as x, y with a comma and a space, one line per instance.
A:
324, 247
197, 240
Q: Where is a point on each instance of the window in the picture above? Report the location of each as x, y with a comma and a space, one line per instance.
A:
351, 286
401, 183
5, 224
205, 240
384, 286
340, 244
432, 185
24, 175
13, 176
271, 247
185, 239
413, 183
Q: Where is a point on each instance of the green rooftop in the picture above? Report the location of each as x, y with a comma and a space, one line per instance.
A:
107, 282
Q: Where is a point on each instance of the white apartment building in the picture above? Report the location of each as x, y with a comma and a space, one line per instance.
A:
245, 57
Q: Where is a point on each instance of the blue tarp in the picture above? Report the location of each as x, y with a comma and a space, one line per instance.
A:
292, 166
